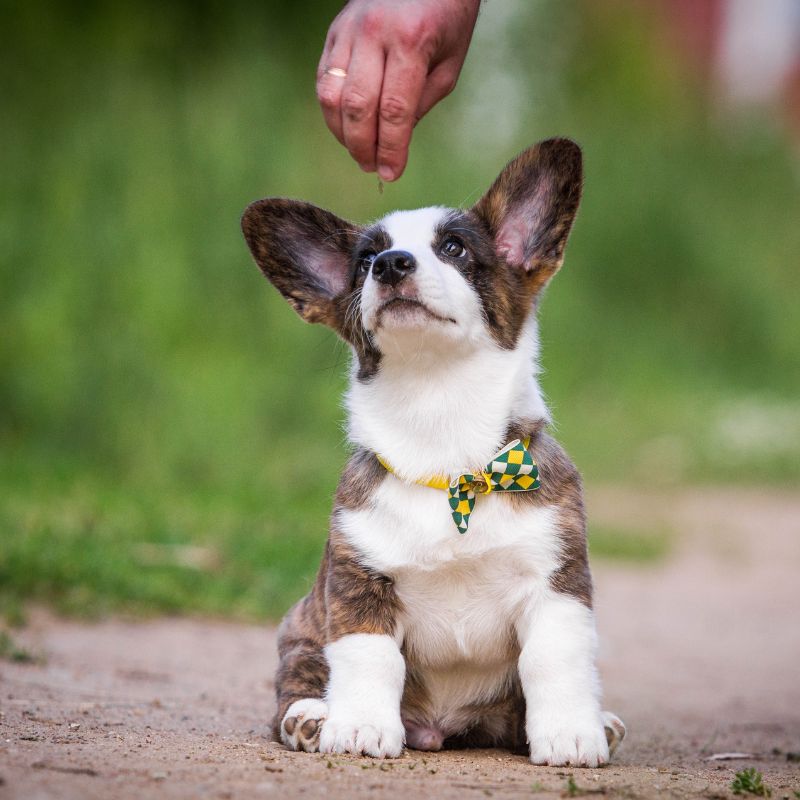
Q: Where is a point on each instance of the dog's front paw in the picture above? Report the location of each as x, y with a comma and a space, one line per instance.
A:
381, 740
560, 744
301, 724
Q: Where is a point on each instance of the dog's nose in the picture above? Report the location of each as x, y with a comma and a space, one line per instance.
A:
392, 266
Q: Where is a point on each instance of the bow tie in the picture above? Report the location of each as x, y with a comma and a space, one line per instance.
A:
510, 470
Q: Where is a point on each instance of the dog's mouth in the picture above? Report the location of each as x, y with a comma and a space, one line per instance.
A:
407, 306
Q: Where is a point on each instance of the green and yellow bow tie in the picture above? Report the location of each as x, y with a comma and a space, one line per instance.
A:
511, 470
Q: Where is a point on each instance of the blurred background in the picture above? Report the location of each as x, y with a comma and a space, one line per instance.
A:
152, 382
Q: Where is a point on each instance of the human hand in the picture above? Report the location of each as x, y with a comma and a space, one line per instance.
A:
388, 63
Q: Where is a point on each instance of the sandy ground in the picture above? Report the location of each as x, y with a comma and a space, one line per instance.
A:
700, 655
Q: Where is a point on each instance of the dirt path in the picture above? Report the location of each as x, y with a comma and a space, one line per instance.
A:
700, 655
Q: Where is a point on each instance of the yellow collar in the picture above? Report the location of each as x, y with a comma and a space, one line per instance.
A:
441, 482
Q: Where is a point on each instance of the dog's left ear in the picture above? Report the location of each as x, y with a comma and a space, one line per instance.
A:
530, 208
305, 252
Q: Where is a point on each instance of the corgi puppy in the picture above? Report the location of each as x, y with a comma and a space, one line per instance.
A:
453, 606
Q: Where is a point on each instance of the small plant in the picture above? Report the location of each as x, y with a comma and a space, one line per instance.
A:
750, 781
11, 651
573, 790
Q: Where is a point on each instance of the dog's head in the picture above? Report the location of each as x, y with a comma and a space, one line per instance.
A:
417, 281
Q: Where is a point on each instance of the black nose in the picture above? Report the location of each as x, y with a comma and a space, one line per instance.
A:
392, 266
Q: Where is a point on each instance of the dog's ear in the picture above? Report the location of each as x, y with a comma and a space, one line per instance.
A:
530, 208
305, 252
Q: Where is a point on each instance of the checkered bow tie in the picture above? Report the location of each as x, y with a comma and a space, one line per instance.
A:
511, 470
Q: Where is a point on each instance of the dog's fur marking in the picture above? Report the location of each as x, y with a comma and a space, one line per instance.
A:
413, 632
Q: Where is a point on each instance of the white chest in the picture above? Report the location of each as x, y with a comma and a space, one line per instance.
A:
460, 593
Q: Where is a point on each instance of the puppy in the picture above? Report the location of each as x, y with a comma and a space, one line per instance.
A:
453, 606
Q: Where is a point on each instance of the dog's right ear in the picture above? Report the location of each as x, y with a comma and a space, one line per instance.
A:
305, 252
530, 208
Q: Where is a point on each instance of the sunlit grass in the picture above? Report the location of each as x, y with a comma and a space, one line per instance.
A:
90, 549
627, 545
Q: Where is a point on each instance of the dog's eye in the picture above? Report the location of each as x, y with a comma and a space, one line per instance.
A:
365, 261
453, 248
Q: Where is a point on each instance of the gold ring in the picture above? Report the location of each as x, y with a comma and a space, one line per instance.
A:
337, 72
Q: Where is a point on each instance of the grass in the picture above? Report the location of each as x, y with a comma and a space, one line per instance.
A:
93, 549
10, 651
750, 781
628, 545
157, 396
572, 789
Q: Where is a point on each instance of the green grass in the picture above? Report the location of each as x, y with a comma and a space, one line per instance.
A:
156, 394
11, 651
626, 545
90, 549
750, 781
572, 789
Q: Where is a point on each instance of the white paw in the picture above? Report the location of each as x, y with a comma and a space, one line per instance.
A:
300, 727
340, 735
559, 744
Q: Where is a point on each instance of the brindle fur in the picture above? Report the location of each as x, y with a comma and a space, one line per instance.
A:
346, 598
312, 257
562, 488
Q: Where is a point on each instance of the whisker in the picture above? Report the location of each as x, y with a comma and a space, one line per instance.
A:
470, 195
353, 321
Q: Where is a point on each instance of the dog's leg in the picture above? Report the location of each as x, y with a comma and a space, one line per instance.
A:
301, 679
367, 672
302, 676
564, 723
302, 722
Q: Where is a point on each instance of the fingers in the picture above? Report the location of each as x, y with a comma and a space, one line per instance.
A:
403, 84
374, 109
330, 87
441, 81
400, 60
350, 103
361, 95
